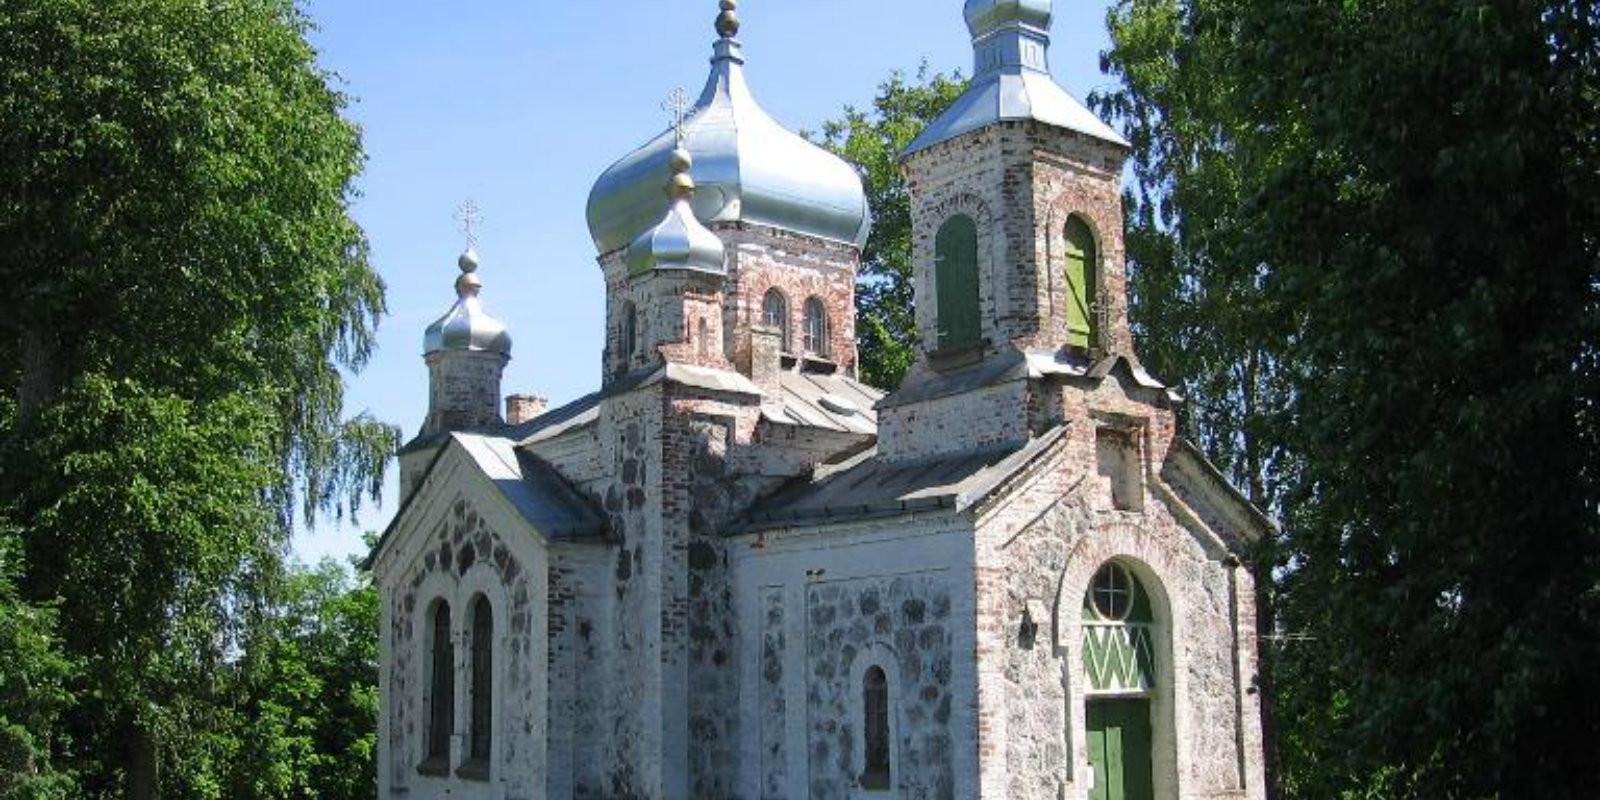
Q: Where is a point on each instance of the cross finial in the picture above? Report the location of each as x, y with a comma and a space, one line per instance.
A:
468, 218
677, 104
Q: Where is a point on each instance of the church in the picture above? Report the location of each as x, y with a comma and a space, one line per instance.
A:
736, 571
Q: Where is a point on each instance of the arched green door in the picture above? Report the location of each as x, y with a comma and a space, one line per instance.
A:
956, 282
1082, 266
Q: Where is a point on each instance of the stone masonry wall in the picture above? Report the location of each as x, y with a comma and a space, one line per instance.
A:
1037, 552
464, 391
462, 542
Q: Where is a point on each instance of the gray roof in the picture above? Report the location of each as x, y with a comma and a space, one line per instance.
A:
1011, 78
868, 487
835, 402
534, 487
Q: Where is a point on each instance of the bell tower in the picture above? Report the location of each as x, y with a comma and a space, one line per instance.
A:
1017, 238
1017, 206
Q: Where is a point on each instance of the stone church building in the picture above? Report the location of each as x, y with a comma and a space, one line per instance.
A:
735, 571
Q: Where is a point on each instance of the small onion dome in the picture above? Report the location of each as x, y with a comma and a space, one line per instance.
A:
678, 241
1011, 78
749, 168
467, 327
986, 16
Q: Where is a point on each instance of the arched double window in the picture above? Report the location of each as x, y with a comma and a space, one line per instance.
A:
875, 731
1082, 276
956, 282
482, 687
441, 689
817, 328
775, 314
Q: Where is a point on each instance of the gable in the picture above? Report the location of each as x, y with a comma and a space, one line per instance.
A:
526, 497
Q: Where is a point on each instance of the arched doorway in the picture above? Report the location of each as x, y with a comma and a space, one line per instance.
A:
1119, 662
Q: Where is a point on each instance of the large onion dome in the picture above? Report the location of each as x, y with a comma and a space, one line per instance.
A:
1011, 77
466, 326
748, 168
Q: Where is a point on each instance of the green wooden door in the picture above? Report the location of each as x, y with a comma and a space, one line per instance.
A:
1119, 749
956, 282
1081, 266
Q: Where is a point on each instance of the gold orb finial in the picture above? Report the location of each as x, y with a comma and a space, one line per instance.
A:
728, 20
681, 186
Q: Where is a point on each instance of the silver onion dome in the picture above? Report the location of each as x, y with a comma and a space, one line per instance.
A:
467, 327
678, 241
748, 168
1011, 77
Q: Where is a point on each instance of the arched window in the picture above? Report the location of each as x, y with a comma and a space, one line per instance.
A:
956, 282
816, 328
1119, 658
775, 314
482, 681
875, 729
441, 688
1083, 275
630, 332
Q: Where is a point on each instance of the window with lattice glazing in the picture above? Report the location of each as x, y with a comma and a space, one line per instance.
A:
1119, 638
775, 314
816, 328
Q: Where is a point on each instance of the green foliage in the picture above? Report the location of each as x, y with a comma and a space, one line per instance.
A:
873, 140
188, 284
33, 674
1386, 213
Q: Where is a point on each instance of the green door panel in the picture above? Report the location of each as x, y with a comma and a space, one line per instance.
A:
1081, 266
956, 282
1119, 749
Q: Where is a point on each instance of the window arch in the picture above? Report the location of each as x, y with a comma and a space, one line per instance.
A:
630, 332
775, 314
441, 688
482, 686
1083, 277
817, 328
875, 731
956, 282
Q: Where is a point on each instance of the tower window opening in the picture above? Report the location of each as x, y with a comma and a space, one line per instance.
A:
1118, 454
875, 729
630, 331
775, 314
1082, 278
817, 328
956, 282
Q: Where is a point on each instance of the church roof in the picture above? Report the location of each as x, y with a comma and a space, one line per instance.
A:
835, 402
868, 487
1011, 78
749, 168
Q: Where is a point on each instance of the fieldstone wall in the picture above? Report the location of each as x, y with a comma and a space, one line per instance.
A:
980, 419
451, 567
908, 620
463, 390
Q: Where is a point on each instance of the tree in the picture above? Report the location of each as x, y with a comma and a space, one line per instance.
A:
873, 140
1407, 194
175, 178
33, 673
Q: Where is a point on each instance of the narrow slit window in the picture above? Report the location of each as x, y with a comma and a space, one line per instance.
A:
441, 689
482, 680
630, 331
875, 729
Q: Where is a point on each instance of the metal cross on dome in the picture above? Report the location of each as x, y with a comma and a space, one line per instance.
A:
677, 104
468, 218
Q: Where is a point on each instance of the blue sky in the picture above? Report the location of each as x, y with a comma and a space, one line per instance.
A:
521, 104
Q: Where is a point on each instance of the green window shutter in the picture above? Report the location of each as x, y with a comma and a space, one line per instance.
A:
1082, 266
956, 280
1120, 750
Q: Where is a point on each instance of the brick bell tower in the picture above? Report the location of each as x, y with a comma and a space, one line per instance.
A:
1016, 206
